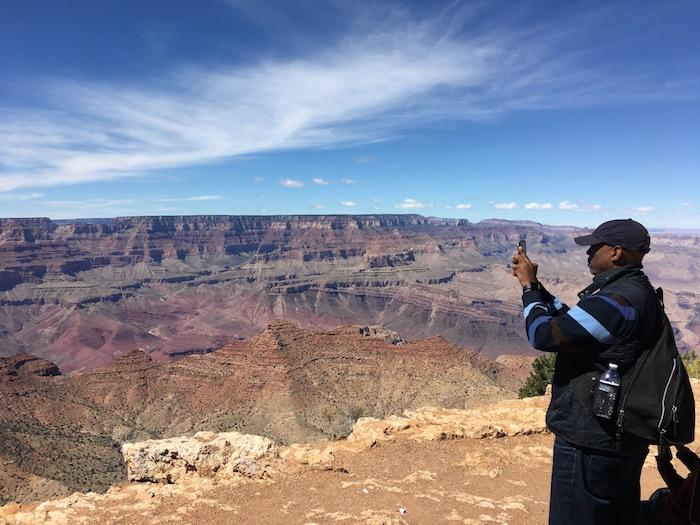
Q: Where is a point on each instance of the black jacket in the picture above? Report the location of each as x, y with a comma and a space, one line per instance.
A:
613, 322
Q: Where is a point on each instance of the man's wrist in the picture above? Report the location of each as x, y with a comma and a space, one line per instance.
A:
533, 285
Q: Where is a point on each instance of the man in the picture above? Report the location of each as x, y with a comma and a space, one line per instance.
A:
595, 471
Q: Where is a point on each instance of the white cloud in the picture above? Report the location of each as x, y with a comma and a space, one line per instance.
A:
6, 197
413, 204
644, 209
291, 183
505, 205
364, 88
192, 199
258, 179
580, 207
320, 181
566, 205
348, 181
538, 206
463, 206
348, 204
319, 206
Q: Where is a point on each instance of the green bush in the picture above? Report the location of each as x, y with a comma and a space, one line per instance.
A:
692, 364
540, 376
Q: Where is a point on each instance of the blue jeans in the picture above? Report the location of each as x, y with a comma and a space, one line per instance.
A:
591, 487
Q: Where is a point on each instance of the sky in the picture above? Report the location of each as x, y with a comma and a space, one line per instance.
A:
557, 112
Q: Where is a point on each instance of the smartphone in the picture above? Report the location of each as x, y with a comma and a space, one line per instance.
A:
522, 243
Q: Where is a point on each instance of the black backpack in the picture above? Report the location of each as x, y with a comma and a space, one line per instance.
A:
656, 399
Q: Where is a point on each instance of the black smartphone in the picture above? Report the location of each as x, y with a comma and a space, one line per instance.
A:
523, 244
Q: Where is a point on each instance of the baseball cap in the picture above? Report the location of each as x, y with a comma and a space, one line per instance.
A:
626, 233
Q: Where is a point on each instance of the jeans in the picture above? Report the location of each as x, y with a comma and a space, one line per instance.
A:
593, 487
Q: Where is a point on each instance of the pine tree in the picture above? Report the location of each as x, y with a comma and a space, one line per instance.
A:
540, 376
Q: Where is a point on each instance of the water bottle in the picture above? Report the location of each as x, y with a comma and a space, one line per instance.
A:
605, 396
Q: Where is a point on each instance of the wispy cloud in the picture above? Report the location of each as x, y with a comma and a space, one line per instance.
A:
191, 199
365, 159
8, 197
505, 205
291, 183
463, 206
87, 204
348, 204
348, 181
538, 206
644, 209
361, 89
320, 181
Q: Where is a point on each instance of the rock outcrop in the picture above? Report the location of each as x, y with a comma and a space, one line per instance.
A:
208, 454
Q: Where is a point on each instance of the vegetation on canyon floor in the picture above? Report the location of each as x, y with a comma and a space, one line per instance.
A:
543, 371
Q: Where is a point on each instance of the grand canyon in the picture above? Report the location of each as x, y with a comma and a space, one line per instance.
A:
79, 293
288, 327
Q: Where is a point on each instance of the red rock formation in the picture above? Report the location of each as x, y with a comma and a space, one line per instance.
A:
288, 383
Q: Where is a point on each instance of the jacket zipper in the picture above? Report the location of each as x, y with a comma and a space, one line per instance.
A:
663, 398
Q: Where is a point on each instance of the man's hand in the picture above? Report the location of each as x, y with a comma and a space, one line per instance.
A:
523, 268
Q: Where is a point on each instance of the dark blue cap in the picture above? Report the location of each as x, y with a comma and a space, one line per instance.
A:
625, 233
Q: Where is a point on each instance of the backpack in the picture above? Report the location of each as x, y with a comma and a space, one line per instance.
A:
656, 399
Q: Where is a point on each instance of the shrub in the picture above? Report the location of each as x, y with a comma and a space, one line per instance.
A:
356, 411
692, 364
540, 376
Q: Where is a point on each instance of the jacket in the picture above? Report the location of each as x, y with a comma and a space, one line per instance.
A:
612, 323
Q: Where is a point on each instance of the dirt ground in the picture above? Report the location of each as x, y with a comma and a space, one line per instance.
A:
503, 481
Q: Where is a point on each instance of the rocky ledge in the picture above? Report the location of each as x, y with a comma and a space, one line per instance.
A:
427, 466
191, 466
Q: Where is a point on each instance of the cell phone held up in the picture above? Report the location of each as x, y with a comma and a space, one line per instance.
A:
522, 244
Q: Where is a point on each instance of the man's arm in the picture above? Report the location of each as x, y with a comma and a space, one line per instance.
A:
595, 323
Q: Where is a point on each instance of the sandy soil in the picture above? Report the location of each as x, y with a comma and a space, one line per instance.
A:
470, 481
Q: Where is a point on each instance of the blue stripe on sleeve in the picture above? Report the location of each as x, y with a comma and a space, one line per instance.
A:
627, 311
533, 328
529, 307
591, 325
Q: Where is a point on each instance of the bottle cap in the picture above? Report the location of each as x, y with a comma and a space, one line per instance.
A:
612, 365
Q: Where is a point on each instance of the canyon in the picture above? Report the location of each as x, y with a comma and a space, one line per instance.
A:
79, 293
292, 328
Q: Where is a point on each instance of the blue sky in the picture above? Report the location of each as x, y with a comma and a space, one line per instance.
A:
558, 112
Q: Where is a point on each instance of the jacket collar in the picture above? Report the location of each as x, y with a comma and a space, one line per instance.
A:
608, 276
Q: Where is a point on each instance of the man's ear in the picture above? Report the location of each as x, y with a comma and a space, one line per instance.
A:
616, 254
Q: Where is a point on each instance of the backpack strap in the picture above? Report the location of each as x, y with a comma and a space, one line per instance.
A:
660, 296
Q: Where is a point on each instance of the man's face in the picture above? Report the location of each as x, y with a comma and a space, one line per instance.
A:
599, 258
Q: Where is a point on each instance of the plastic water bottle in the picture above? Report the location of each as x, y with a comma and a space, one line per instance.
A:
605, 396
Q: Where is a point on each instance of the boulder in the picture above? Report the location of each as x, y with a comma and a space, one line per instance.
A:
206, 454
